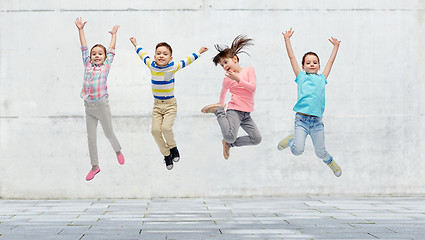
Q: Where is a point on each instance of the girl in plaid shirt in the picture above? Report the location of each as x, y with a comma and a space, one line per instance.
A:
97, 64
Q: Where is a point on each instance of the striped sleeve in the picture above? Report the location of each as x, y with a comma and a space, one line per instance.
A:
186, 61
143, 55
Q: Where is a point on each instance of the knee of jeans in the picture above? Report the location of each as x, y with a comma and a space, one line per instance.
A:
256, 140
297, 151
321, 154
229, 138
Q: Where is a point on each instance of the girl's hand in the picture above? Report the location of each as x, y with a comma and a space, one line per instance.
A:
232, 75
79, 23
133, 41
288, 34
203, 49
114, 29
334, 41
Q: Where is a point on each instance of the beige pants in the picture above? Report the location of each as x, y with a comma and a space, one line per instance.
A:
163, 116
99, 112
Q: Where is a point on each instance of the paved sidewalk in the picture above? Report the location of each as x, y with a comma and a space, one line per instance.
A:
233, 218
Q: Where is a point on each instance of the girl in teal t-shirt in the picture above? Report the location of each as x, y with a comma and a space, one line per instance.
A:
310, 103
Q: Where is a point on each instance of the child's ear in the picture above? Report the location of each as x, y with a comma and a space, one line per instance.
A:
302, 67
235, 59
171, 59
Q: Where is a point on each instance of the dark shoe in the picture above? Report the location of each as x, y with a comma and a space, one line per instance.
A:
175, 154
168, 162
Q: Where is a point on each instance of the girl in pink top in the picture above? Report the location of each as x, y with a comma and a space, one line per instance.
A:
241, 83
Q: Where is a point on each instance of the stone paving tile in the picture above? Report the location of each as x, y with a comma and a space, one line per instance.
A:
233, 218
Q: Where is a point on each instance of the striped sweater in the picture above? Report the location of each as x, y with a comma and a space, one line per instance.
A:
163, 76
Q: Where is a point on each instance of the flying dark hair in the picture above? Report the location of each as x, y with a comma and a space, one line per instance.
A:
164, 44
309, 53
240, 42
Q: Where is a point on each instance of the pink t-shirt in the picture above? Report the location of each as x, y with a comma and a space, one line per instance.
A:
242, 93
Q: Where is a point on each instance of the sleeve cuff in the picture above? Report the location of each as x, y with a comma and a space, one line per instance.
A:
111, 50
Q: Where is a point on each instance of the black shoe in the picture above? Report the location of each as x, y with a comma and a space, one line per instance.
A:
175, 154
168, 162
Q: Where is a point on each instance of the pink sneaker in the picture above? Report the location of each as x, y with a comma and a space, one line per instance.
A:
121, 159
91, 174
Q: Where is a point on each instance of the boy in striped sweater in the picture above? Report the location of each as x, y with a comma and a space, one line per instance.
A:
163, 69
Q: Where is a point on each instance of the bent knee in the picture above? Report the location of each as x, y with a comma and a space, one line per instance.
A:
297, 151
256, 140
229, 138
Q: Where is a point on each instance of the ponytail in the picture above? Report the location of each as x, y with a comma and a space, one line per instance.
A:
240, 42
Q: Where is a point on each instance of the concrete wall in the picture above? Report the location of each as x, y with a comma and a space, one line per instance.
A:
374, 118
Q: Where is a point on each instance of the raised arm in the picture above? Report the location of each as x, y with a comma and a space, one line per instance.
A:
133, 41
142, 54
189, 59
287, 35
331, 60
202, 50
80, 25
113, 33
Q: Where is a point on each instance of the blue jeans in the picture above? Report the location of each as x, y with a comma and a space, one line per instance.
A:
305, 125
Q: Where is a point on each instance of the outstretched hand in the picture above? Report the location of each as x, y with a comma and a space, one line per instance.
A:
133, 41
334, 41
79, 23
203, 49
114, 29
288, 34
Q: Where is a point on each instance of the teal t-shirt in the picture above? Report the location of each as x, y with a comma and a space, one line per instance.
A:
311, 94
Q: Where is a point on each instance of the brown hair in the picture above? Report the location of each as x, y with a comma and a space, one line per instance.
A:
309, 53
164, 44
101, 46
238, 44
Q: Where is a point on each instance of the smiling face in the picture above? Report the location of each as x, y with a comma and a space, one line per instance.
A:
97, 55
162, 56
230, 64
311, 64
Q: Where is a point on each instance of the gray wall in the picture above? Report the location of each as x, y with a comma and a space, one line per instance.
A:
374, 117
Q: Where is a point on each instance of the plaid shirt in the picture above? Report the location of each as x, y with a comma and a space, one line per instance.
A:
95, 76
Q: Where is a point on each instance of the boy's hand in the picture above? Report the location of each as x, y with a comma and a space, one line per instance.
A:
79, 23
133, 41
114, 29
288, 34
203, 49
232, 75
334, 41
